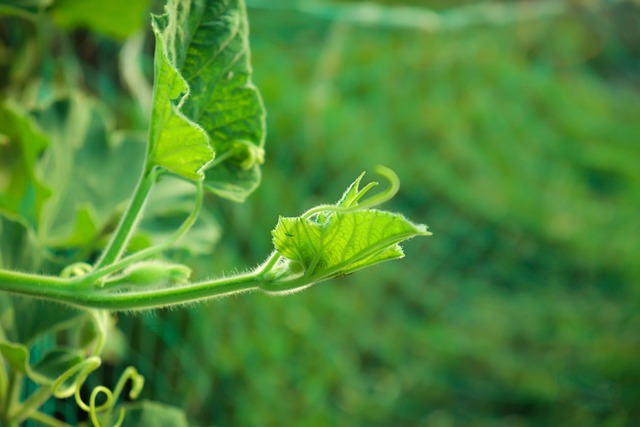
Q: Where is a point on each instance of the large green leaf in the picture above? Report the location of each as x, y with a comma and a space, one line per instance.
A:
116, 18
83, 152
175, 142
18, 247
53, 364
56, 362
233, 182
208, 43
24, 319
22, 193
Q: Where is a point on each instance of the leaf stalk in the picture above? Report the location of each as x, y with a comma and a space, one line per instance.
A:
118, 243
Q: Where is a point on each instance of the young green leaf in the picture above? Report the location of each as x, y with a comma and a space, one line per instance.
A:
353, 193
208, 43
343, 242
333, 240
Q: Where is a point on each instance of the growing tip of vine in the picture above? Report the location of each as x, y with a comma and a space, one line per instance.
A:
391, 176
386, 195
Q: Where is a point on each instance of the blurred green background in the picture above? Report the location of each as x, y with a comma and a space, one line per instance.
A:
516, 138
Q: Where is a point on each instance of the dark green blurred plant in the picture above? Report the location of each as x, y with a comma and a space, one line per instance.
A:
522, 319
61, 158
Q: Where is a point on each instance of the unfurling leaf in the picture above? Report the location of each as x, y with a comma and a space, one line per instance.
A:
344, 242
331, 241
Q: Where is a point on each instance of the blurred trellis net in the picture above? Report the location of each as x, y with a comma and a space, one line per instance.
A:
515, 128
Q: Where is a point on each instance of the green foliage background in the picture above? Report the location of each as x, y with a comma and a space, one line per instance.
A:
516, 144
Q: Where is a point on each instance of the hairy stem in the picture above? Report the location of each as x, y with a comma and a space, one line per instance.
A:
35, 285
74, 291
163, 297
